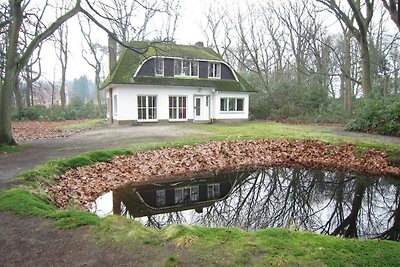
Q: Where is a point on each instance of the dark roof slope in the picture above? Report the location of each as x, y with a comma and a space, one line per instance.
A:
131, 59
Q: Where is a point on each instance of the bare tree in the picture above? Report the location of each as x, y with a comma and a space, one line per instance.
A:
394, 10
97, 51
61, 40
17, 60
360, 32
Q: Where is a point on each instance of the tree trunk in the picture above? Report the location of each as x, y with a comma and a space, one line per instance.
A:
366, 81
11, 73
348, 88
62, 90
98, 96
18, 98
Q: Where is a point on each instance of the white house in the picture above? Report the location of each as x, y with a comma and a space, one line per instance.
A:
153, 82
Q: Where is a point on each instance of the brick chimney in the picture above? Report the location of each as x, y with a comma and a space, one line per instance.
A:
112, 54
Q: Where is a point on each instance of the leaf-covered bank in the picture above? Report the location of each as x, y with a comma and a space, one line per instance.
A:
83, 185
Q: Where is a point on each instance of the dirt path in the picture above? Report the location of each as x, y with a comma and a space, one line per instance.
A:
31, 241
40, 151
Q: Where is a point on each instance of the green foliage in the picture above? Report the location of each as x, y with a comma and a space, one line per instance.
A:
287, 98
378, 116
23, 202
77, 109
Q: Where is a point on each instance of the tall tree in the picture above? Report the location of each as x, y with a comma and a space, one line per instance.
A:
394, 10
16, 60
97, 51
360, 32
62, 52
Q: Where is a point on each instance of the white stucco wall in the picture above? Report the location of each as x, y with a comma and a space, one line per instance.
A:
127, 101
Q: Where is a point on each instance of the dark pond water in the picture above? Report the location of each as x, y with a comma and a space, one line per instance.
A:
323, 202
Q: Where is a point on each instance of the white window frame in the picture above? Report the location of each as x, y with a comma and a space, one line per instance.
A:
147, 107
178, 108
215, 191
191, 66
193, 197
115, 104
161, 199
214, 68
159, 65
229, 100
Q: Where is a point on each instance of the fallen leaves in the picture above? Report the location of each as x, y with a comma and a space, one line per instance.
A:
33, 130
85, 184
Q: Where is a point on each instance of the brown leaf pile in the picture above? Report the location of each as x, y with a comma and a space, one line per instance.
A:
87, 183
33, 130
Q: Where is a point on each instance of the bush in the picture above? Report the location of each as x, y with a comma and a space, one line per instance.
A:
77, 109
378, 116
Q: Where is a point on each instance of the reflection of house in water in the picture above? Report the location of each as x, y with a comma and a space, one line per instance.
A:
178, 195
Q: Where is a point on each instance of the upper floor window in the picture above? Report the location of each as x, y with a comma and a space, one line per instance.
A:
214, 70
186, 68
159, 66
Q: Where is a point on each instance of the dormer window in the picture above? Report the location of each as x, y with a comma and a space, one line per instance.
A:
186, 68
214, 70
159, 66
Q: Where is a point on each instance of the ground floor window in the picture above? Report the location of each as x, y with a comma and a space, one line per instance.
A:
177, 107
160, 198
186, 195
213, 191
147, 107
232, 104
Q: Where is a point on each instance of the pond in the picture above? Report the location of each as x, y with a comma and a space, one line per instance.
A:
324, 202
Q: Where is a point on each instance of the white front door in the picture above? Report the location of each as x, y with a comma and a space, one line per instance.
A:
201, 108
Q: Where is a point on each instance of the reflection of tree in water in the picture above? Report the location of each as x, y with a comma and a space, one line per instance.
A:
393, 231
325, 202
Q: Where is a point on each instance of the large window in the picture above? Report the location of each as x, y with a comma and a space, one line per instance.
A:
186, 195
232, 104
160, 198
147, 107
214, 70
186, 68
177, 107
159, 66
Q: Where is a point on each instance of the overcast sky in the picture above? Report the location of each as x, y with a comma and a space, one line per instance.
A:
188, 32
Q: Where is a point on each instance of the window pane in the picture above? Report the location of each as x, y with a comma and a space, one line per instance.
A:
240, 104
210, 69
218, 70
159, 66
178, 67
178, 195
195, 68
194, 193
232, 104
186, 68
160, 198
224, 104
